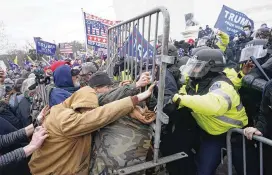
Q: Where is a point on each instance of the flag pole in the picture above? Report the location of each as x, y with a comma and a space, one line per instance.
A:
85, 32
45, 61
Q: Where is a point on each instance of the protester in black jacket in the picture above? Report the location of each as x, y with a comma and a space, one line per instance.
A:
20, 154
7, 114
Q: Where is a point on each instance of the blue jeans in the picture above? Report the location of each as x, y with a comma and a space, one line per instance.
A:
209, 154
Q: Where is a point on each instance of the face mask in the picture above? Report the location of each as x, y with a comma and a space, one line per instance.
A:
77, 84
247, 33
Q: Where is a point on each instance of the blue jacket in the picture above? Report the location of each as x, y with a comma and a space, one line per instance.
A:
64, 85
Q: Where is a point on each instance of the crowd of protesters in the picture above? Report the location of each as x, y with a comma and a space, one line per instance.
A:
73, 118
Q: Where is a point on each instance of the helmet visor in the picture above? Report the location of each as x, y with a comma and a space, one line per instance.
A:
195, 68
256, 51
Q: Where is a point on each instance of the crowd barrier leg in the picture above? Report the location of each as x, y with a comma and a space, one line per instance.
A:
261, 140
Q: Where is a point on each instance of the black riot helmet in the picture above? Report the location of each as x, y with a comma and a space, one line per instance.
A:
195, 50
262, 33
204, 61
172, 51
256, 48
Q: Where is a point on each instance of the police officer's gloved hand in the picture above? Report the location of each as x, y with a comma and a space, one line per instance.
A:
169, 106
177, 100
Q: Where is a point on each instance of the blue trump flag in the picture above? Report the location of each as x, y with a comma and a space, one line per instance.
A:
44, 47
133, 45
232, 21
12, 65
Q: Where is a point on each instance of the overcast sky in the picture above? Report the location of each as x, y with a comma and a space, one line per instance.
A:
61, 20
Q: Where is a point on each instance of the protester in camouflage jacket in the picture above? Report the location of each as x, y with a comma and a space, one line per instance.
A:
124, 142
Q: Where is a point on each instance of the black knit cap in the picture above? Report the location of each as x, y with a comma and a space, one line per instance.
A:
100, 79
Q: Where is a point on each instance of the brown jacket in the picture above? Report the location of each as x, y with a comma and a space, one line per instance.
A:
67, 150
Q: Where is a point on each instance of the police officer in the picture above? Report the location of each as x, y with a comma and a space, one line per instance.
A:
201, 33
179, 134
263, 125
214, 103
208, 30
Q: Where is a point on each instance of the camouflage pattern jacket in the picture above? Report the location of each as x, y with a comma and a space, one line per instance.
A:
123, 143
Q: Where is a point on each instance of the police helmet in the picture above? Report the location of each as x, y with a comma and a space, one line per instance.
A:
263, 33
172, 50
204, 61
254, 48
195, 50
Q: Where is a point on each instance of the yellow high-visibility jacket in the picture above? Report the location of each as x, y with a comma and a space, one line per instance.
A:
223, 41
235, 77
124, 76
217, 111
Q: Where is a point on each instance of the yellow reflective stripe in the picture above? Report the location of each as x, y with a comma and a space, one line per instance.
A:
239, 107
230, 120
123, 76
226, 97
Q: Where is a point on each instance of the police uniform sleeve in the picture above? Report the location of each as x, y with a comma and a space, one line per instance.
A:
225, 38
215, 103
235, 77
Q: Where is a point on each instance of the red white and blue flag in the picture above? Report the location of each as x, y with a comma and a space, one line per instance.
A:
97, 30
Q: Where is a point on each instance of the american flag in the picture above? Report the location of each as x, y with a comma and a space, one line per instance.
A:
66, 48
97, 29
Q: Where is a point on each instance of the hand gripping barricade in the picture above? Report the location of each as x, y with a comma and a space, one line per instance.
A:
260, 139
130, 54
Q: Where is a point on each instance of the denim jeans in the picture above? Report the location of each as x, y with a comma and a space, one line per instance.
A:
209, 154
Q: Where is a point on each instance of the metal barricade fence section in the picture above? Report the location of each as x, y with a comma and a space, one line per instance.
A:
261, 140
132, 50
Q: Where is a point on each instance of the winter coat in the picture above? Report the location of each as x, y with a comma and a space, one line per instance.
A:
129, 139
6, 113
67, 149
64, 85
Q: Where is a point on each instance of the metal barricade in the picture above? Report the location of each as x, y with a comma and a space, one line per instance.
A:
119, 47
260, 139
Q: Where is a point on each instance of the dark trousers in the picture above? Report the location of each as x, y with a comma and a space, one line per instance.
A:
209, 154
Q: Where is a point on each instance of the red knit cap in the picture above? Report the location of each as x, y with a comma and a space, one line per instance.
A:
57, 64
191, 41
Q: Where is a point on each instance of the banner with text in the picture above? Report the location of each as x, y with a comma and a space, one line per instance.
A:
232, 21
97, 30
45, 48
133, 46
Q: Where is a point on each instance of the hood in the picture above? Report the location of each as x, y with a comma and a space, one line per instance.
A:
83, 98
26, 84
62, 77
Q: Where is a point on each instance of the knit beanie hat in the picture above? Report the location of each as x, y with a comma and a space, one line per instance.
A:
100, 79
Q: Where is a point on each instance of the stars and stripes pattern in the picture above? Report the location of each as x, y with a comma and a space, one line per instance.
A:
97, 30
66, 48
